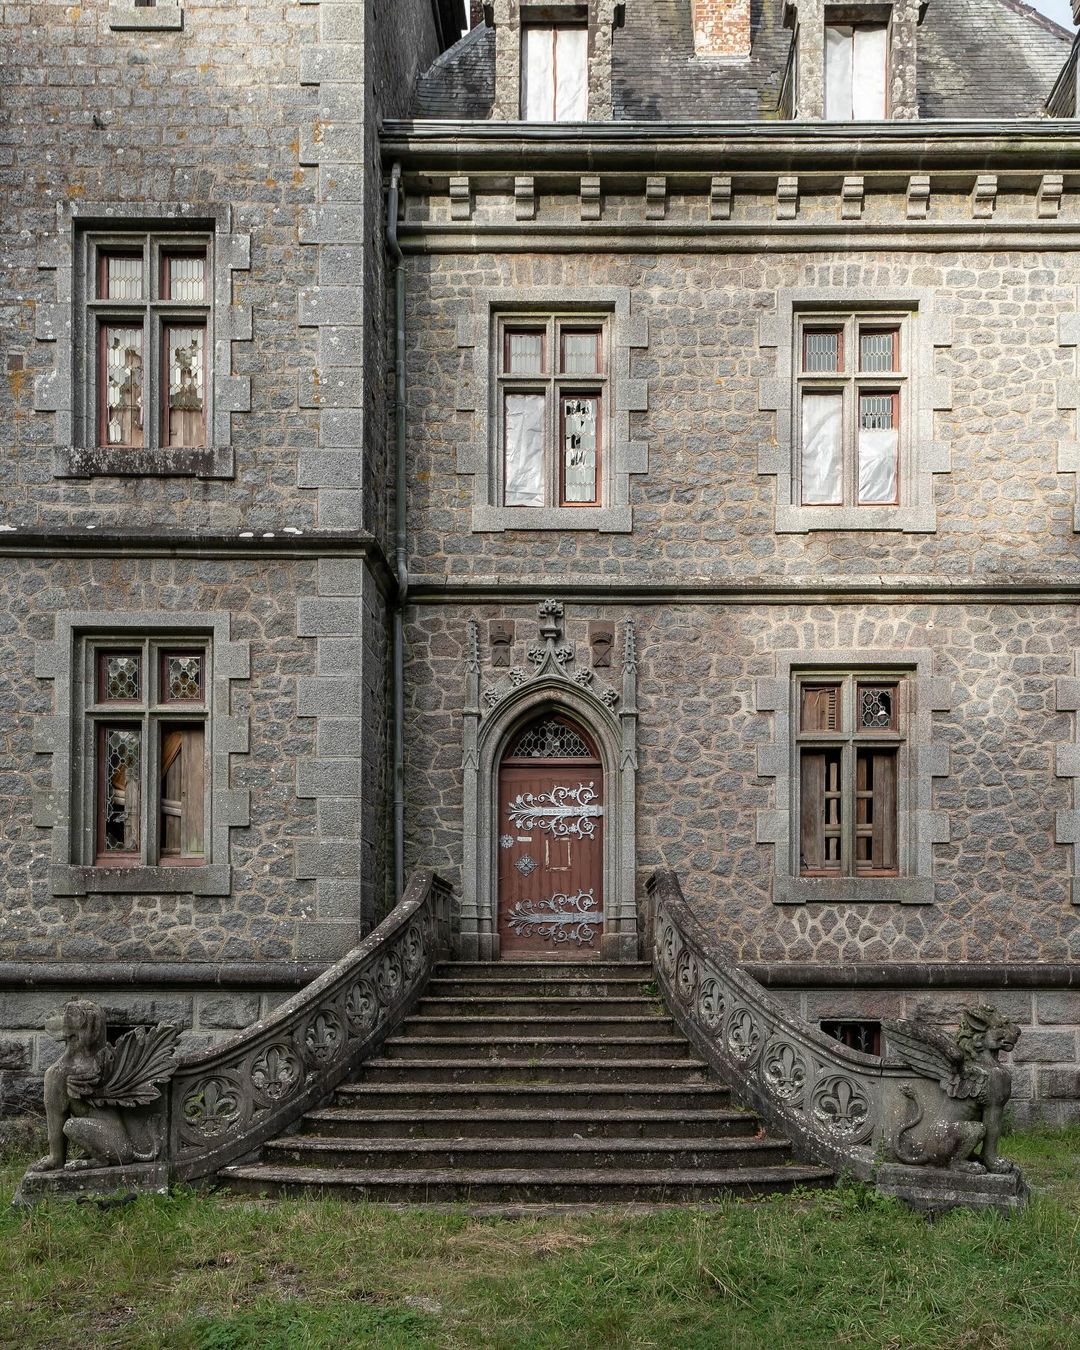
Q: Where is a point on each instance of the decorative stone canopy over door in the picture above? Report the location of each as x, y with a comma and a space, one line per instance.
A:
551, 849
552, 703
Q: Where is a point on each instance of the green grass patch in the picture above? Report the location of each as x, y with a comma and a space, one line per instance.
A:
822, 1269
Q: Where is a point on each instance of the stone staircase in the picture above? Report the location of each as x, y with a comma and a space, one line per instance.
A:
523, 1084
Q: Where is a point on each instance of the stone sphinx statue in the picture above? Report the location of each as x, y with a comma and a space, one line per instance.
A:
102, 1097
957, 1122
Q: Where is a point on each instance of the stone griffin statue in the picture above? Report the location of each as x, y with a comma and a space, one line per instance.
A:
964, 1135
99, 1096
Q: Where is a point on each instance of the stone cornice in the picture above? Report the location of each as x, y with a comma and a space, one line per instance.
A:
1043, 144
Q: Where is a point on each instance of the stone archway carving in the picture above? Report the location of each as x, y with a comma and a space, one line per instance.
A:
491, 716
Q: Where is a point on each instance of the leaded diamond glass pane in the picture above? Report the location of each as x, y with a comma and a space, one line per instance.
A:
580, 353
524, 353
822, 350
122, 277
551, 740
120, 797
122, 677
877, 351
186, 276
183, 677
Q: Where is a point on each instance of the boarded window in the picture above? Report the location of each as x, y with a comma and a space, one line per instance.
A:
182, 795
554, 74
822, 449
855, 76
525, 437
849, 738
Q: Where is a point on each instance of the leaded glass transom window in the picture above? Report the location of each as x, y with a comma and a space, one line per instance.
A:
551, 739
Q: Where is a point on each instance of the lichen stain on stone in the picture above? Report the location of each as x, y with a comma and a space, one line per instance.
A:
18, 382
76, 190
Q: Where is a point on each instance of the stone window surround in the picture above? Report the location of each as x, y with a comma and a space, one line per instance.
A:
476, 391
922, 760
929, 393
1067, 823
508, 16
161, 15
57, 734
59, 391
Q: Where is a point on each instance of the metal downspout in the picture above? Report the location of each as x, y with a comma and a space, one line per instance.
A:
401, 566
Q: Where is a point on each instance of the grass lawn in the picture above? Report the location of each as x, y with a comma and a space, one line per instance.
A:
823, 1269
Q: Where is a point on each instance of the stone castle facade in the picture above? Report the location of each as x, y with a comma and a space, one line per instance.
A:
732, 251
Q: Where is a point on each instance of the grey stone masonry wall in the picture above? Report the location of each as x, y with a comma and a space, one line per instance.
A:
1001, 884
296, 779
993, 438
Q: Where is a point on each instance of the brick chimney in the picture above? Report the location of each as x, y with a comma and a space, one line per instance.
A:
722, 27
476, 12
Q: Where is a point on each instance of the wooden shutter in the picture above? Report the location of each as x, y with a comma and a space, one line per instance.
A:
182, 793
820, 707
875, 811
820, 815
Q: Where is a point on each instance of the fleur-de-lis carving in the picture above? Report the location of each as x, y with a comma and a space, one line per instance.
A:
843, 1108
212, 1107
711, 1002
744, 1037
785, 1071
277, 1072
324, 1036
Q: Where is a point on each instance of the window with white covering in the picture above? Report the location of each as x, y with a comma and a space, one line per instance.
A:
851, 410
554, 73
552, 398
856, 58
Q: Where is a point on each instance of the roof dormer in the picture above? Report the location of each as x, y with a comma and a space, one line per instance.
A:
553, 61
852, 62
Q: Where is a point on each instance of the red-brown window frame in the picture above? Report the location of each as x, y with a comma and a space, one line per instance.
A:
878, 330
894, 395
103, 273
521, 330
163, 682
585, 330
101, 679
165, 281
813, 330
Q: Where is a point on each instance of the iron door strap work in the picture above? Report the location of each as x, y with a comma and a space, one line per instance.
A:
550, 832
559, 918
562, 811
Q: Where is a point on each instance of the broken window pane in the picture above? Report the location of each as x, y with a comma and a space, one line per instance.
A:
120, 796
579, 449
822, 449
878, 449
185, 276
581, 352
121, 276
524, 353
524, 449
821, 350
122, 370
186, 375
877, 708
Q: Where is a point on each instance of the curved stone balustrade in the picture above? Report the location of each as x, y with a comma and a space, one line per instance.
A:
226, 1102
839, 1107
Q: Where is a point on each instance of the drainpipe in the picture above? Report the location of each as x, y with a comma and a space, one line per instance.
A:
401, 565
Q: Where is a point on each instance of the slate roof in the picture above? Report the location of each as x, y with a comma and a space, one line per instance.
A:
977, 58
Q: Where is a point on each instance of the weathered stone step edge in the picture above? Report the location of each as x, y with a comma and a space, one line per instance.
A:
580, 1071
573, 1144
447, 1041
539, 1019
465, 1062
560, 967
528, 978
711, 1088
628, 1116
557, 1183
509, 1009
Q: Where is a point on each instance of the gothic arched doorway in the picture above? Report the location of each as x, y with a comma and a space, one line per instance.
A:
551, 842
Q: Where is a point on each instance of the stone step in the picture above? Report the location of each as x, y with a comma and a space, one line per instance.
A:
578, 1071
566, 1154
461, 1098
511, 1007
529, 1049
530, 969
541, 1122
540, 1025
582, 985
514, 1186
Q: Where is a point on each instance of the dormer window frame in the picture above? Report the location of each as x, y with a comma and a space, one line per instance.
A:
533, 33
512, 18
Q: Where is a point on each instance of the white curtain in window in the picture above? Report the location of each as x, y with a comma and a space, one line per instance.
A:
878, 452
524, 450
571, 74
822, 449
838, 54
870, 48
554, 74
538, 74
855, 61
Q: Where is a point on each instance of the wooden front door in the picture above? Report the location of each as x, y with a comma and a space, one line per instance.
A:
551, 843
